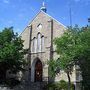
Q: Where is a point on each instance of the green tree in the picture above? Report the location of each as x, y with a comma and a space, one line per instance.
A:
64, 48
11, 52
83, 57
73, 47
52, 69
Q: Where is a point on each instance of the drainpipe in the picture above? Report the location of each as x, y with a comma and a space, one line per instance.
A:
51, 46
29, 51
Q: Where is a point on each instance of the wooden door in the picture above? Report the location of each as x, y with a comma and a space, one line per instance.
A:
38, 71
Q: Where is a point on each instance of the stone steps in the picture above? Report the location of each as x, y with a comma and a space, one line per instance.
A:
31, 86
28, 85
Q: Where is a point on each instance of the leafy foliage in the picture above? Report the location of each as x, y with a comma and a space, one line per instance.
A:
11, 52
52, 67
73, 47
62, 85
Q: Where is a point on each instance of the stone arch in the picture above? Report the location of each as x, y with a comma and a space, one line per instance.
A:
33, 68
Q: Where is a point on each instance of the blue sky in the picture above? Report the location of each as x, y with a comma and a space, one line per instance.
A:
18, 13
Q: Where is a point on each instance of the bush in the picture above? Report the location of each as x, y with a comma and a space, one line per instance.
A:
50, 86
12, 82
62, 85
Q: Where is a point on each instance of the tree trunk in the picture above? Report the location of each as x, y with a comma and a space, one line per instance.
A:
69, 81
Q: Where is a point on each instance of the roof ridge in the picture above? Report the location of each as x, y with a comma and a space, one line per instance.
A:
54, 19
45, 14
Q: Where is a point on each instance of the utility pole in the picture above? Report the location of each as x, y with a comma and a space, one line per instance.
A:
70, 12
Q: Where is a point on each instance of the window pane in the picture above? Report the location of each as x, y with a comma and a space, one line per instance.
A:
35, 45
39, 43
39, 26
42, 43
32, 46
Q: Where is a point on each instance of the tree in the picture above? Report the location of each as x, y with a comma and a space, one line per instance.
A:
64, 48
52, 69
73, 47
84, 57
11, 52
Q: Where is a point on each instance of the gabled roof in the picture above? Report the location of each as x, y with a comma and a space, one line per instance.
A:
48, 16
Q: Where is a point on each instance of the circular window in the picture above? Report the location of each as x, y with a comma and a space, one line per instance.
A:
39, 26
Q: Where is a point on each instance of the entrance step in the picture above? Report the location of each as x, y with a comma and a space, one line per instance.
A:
31, 86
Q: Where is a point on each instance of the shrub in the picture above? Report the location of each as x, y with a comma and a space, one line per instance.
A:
61, 85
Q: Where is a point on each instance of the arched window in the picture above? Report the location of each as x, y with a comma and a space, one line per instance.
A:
39, 26
32, 45
42, 40
39, 42
35, 45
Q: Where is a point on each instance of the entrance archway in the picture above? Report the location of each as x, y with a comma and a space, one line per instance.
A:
38, 71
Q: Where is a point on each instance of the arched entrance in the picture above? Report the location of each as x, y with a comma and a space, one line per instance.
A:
38, 71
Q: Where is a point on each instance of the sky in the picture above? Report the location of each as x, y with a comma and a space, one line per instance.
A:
19, 13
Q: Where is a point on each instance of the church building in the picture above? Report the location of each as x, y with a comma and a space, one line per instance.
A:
38, 37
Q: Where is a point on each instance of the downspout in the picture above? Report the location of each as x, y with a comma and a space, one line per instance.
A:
51, 47
29, 51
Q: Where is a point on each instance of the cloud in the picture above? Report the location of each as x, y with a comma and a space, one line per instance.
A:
21, 16
77, 0
6, 1
10, 22
46, 0
18, 30
64, 18
32, 9
87, 3
83, 2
